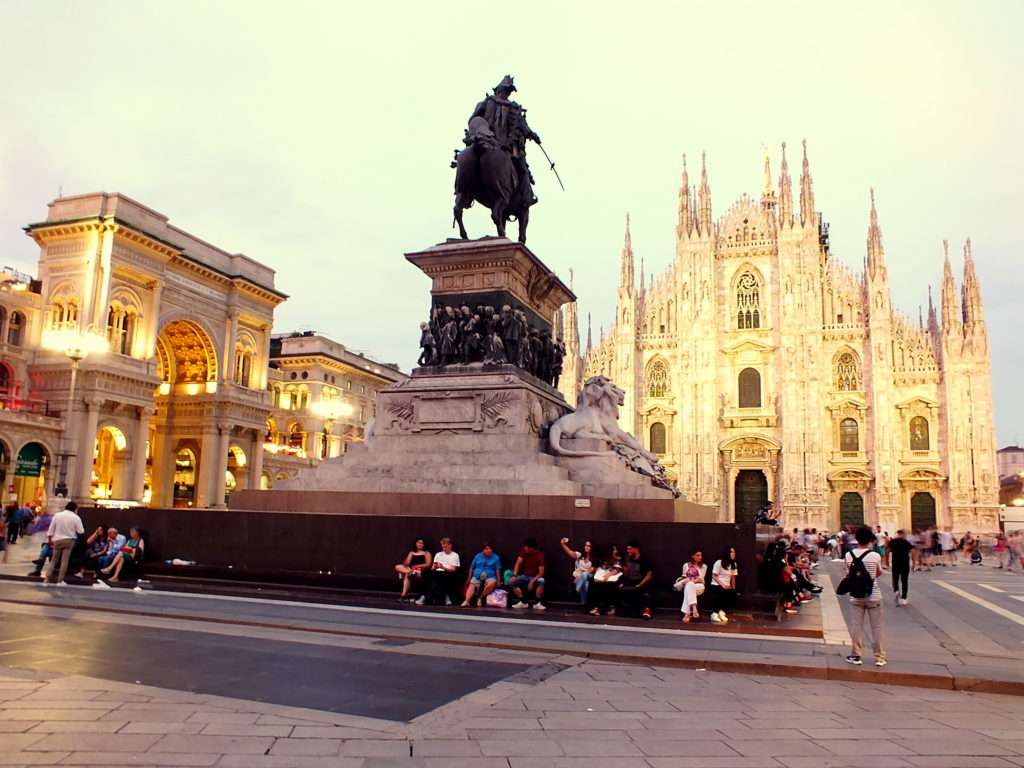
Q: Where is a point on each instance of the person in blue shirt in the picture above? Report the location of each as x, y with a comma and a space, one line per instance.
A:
484, 575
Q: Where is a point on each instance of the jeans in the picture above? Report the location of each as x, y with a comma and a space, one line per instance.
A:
582, 585
901, 574
872, 611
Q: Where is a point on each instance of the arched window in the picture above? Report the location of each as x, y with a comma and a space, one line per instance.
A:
748, 302
750, 388
15, 328
658, 438
919, 440
3, 316
847, 372
849, 435
277, 396
657, 379
5, 378
64, 312
121, 328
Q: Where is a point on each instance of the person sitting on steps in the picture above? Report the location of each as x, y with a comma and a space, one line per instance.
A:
528, 576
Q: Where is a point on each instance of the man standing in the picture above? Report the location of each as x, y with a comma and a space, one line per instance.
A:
899, 558
637, 580
528, 575
864, 567
65, 528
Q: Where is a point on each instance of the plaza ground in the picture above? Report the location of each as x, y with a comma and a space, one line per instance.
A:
93, 677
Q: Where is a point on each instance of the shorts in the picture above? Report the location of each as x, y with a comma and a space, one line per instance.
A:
522, 582
482, 577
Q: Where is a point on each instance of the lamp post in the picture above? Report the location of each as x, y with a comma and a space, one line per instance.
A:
76, 346
330, 411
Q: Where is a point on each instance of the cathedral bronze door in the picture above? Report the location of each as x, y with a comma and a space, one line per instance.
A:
851, 509
751, 494
922, 511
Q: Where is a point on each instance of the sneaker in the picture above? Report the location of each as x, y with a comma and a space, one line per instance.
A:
421, 600
903, 601
855, 660
715, 619
520, 604
722, 616
791, 609
646, 615
99, 584
62, 583
447, 601
880, 662
540, 607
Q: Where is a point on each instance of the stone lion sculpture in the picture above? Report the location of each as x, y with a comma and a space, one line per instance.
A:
597, 417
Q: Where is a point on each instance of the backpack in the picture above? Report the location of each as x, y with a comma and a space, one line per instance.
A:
858, 582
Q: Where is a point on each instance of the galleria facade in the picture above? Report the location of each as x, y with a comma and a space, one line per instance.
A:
192, 395
760, 368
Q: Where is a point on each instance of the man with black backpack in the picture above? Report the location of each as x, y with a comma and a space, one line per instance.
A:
864, 569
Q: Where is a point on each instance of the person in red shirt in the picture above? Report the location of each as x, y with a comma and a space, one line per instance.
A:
528, 576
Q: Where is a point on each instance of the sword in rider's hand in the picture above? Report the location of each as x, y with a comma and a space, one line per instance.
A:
552, 162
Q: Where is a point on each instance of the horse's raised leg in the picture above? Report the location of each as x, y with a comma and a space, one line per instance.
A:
524, 219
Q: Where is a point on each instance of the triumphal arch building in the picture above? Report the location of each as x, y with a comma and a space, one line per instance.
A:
174, 411
759, 367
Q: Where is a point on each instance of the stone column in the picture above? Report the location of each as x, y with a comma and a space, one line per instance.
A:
207, 468
256, 460
228, 359
85, 443
223, 443
729, 514
138, 473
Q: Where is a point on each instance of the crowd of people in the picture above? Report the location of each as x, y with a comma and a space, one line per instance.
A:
65, 546
606, 582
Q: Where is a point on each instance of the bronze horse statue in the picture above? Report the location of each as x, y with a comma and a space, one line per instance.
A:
487, 175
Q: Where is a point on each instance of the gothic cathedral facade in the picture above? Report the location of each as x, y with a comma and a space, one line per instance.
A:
760, 368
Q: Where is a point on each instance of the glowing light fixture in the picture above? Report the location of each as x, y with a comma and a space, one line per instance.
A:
164, 388
192, 388
211, 387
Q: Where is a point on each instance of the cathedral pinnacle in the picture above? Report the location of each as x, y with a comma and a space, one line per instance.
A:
704, 199
590, 334
785, 192
876, 253
685, 224
951, 319
627, 270
971, 291
767, 189
807, 213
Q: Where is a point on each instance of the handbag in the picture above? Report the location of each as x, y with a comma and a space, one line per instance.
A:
497, 599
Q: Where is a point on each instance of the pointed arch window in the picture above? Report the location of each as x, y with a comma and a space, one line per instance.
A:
658, 438
847, 372
749, 384
919, 438
748, 302
657, 379
849, 435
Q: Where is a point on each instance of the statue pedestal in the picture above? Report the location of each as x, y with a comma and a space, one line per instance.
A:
492, 271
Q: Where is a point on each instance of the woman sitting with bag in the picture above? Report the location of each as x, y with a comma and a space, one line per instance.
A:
691, 584
582, 569
723, 586
131, 554
604, 588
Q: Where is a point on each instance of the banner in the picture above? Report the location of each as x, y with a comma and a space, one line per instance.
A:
30, 461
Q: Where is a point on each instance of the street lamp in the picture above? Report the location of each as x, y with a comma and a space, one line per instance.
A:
330, 411
76, 345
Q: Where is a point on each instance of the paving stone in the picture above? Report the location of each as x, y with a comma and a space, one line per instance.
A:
850, 761
242, 729
713, 762
956, 746
599, 749
310, 747
178, 760
445, 748
289, 761
779, 748
684, 747
577, 762
240, 718
95, 742
464, 762
32, 758
338, 732
79, 726
17, 726
222, 745
375, 748
53, 714
959, 761
504, 724
527, 747
146, 726
133, 714
865, 746
19, 741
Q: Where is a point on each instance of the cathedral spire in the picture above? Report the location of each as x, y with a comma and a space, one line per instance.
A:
807, 212
951, 320
876, 253
971, 292
627, 270
704, 199
933, 322
643, 285
685, 225
590, 334
785, 192
767, 188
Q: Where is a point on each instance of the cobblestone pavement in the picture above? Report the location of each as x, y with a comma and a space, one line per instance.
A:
588, 715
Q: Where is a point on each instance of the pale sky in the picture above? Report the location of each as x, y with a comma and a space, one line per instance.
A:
316, 137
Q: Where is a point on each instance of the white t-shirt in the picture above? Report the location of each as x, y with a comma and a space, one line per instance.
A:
946, 539
448, 559
722, 576
65, 525
873, 565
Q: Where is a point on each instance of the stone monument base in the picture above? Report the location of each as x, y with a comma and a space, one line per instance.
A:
475, 429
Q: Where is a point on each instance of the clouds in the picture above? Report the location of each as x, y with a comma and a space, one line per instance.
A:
316, 137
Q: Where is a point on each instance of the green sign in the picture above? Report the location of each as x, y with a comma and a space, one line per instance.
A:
30, 461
